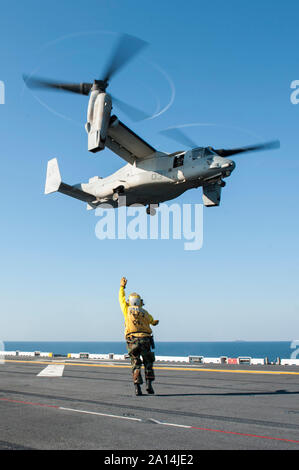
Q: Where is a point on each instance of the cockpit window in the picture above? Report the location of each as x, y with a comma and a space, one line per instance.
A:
208, 152
202, 152
197, 153
178, 161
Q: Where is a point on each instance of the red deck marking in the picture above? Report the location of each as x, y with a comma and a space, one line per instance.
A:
245, 434
28, 403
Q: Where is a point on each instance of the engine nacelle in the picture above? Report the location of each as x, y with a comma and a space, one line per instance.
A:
98, 117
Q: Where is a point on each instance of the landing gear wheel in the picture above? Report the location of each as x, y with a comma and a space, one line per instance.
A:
117, 192
151, 210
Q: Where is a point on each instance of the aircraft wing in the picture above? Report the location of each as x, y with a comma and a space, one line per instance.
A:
125, 143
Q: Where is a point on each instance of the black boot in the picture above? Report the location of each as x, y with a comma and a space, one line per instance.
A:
138, 391
149, 387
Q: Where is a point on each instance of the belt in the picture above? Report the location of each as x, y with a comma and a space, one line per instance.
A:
132, 337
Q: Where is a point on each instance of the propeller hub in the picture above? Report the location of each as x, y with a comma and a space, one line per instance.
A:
100, 85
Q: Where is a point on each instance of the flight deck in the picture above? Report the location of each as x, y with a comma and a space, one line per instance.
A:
62, 403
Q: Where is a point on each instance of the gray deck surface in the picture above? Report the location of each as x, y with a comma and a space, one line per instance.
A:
93, 406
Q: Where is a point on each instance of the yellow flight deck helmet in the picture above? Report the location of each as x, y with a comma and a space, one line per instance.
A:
135, 300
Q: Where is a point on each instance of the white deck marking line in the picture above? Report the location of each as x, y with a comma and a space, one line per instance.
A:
123, 417
99, 414
177, 425
151, 420
54, 370
181, 425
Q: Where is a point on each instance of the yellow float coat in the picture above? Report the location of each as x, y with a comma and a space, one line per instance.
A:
137, 319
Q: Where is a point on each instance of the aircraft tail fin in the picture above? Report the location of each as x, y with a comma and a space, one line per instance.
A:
54, 183
53, 178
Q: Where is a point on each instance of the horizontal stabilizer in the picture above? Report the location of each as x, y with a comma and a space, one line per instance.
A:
54, 183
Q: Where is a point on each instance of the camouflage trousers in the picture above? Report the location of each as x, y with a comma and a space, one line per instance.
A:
141, 348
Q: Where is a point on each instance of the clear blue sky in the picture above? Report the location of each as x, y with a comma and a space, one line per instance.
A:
232, 64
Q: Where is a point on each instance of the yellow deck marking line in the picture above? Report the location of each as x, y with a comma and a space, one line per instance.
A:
189, 369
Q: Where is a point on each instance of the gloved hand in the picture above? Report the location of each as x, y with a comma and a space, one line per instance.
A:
123, 282
155, 322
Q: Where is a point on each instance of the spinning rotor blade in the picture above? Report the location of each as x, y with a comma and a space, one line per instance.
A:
80, 88
178, 135
251, 148
126, 49
133, 113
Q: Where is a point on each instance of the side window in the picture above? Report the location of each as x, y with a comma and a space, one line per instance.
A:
197, 153
178, 161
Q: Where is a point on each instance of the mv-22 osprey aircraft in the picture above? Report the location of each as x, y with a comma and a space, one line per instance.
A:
150, 176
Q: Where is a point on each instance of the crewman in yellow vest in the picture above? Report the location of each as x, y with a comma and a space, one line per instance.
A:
138, 334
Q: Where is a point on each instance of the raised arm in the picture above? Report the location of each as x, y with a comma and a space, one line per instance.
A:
122, 296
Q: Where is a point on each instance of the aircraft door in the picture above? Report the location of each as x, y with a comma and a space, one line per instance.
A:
178, 166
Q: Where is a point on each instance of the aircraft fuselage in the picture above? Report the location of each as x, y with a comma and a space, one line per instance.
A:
160, 178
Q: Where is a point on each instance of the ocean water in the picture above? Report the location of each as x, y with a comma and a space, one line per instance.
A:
258, 349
